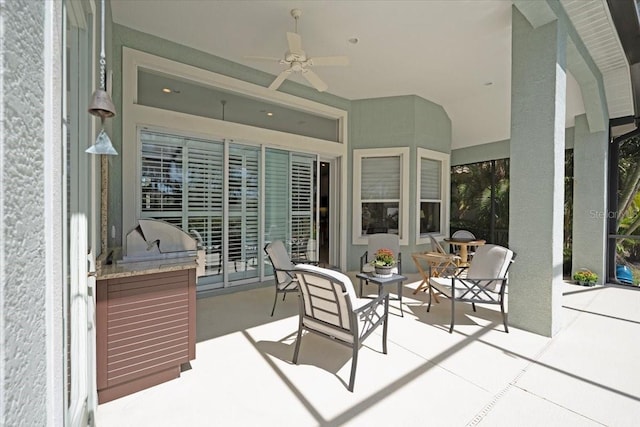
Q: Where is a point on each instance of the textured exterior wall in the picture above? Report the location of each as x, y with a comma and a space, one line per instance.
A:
23, 363
590, 199
536, 197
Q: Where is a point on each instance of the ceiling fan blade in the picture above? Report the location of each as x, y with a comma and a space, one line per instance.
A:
264, 58
314, 80
278, 81
321, 61
295, 42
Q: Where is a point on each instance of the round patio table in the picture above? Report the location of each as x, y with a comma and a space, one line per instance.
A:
464, 245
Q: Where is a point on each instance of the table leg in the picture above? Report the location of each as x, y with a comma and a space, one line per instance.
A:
399, 293
400, 298
464, 256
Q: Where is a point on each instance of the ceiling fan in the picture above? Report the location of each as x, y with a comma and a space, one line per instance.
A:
298, 62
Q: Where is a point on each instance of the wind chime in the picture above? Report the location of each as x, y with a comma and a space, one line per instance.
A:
101, 104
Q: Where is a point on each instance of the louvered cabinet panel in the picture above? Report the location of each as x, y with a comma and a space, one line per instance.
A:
146, 330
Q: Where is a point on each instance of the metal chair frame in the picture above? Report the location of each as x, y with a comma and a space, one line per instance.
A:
475, 291
313, 297
282, 287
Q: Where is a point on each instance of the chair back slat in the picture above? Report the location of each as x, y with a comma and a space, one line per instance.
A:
324, 300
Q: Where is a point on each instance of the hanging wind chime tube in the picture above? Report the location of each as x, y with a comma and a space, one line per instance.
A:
101, 104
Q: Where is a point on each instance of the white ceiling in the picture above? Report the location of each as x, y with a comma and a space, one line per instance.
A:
456, 53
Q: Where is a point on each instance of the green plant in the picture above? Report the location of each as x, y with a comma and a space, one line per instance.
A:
585, 276
384, 258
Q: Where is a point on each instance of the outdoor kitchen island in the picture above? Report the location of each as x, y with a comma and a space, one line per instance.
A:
146, 310
145, 324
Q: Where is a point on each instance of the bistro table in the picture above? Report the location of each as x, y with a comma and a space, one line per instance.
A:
381, 282
464, 245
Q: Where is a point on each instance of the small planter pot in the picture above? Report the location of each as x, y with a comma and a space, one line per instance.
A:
383, 271
583, 283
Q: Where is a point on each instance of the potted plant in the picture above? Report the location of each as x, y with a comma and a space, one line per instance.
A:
383, 262
585, 277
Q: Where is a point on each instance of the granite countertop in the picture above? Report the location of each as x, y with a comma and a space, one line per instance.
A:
128, 269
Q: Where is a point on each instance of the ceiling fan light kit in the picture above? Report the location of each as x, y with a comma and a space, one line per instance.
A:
298, 62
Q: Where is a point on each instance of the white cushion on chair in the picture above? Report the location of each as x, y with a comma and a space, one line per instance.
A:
490, 261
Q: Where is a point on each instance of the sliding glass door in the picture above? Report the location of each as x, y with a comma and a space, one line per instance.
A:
217, 191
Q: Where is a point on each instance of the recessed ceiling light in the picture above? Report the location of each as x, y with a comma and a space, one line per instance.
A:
166, 90
269, 114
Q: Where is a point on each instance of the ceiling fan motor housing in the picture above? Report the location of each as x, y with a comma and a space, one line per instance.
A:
295, 57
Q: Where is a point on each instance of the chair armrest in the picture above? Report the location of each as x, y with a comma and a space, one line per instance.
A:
304, 261
491, 284
451, 270
363, 259
373, 303
289, 273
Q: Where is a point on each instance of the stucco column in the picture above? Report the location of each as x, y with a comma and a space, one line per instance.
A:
538, 90
589, 199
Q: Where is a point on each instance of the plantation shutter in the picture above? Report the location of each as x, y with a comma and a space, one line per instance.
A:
301, 203
243, 205
205, 172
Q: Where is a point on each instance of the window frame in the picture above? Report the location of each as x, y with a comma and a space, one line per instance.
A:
445, 192
358, 155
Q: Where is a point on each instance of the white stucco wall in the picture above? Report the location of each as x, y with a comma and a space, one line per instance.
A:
30, 379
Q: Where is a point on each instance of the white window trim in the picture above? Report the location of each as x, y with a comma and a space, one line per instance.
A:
134, 115
445, 192
358, 155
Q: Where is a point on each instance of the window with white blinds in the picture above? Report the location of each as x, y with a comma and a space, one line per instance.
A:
433, 170
183, 182
380, 192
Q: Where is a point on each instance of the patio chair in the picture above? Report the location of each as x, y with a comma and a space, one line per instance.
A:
436, 246
463, 234
330, 308
282, 270
380, 241
485, 281
209, 249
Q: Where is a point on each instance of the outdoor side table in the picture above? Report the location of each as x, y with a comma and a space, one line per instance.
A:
381, 282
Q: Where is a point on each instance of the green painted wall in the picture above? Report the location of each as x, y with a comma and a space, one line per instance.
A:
398, 121
494, 150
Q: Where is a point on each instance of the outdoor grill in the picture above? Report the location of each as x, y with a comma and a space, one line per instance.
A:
153, 240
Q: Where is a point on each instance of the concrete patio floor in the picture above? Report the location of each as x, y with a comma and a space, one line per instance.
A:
588, 374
